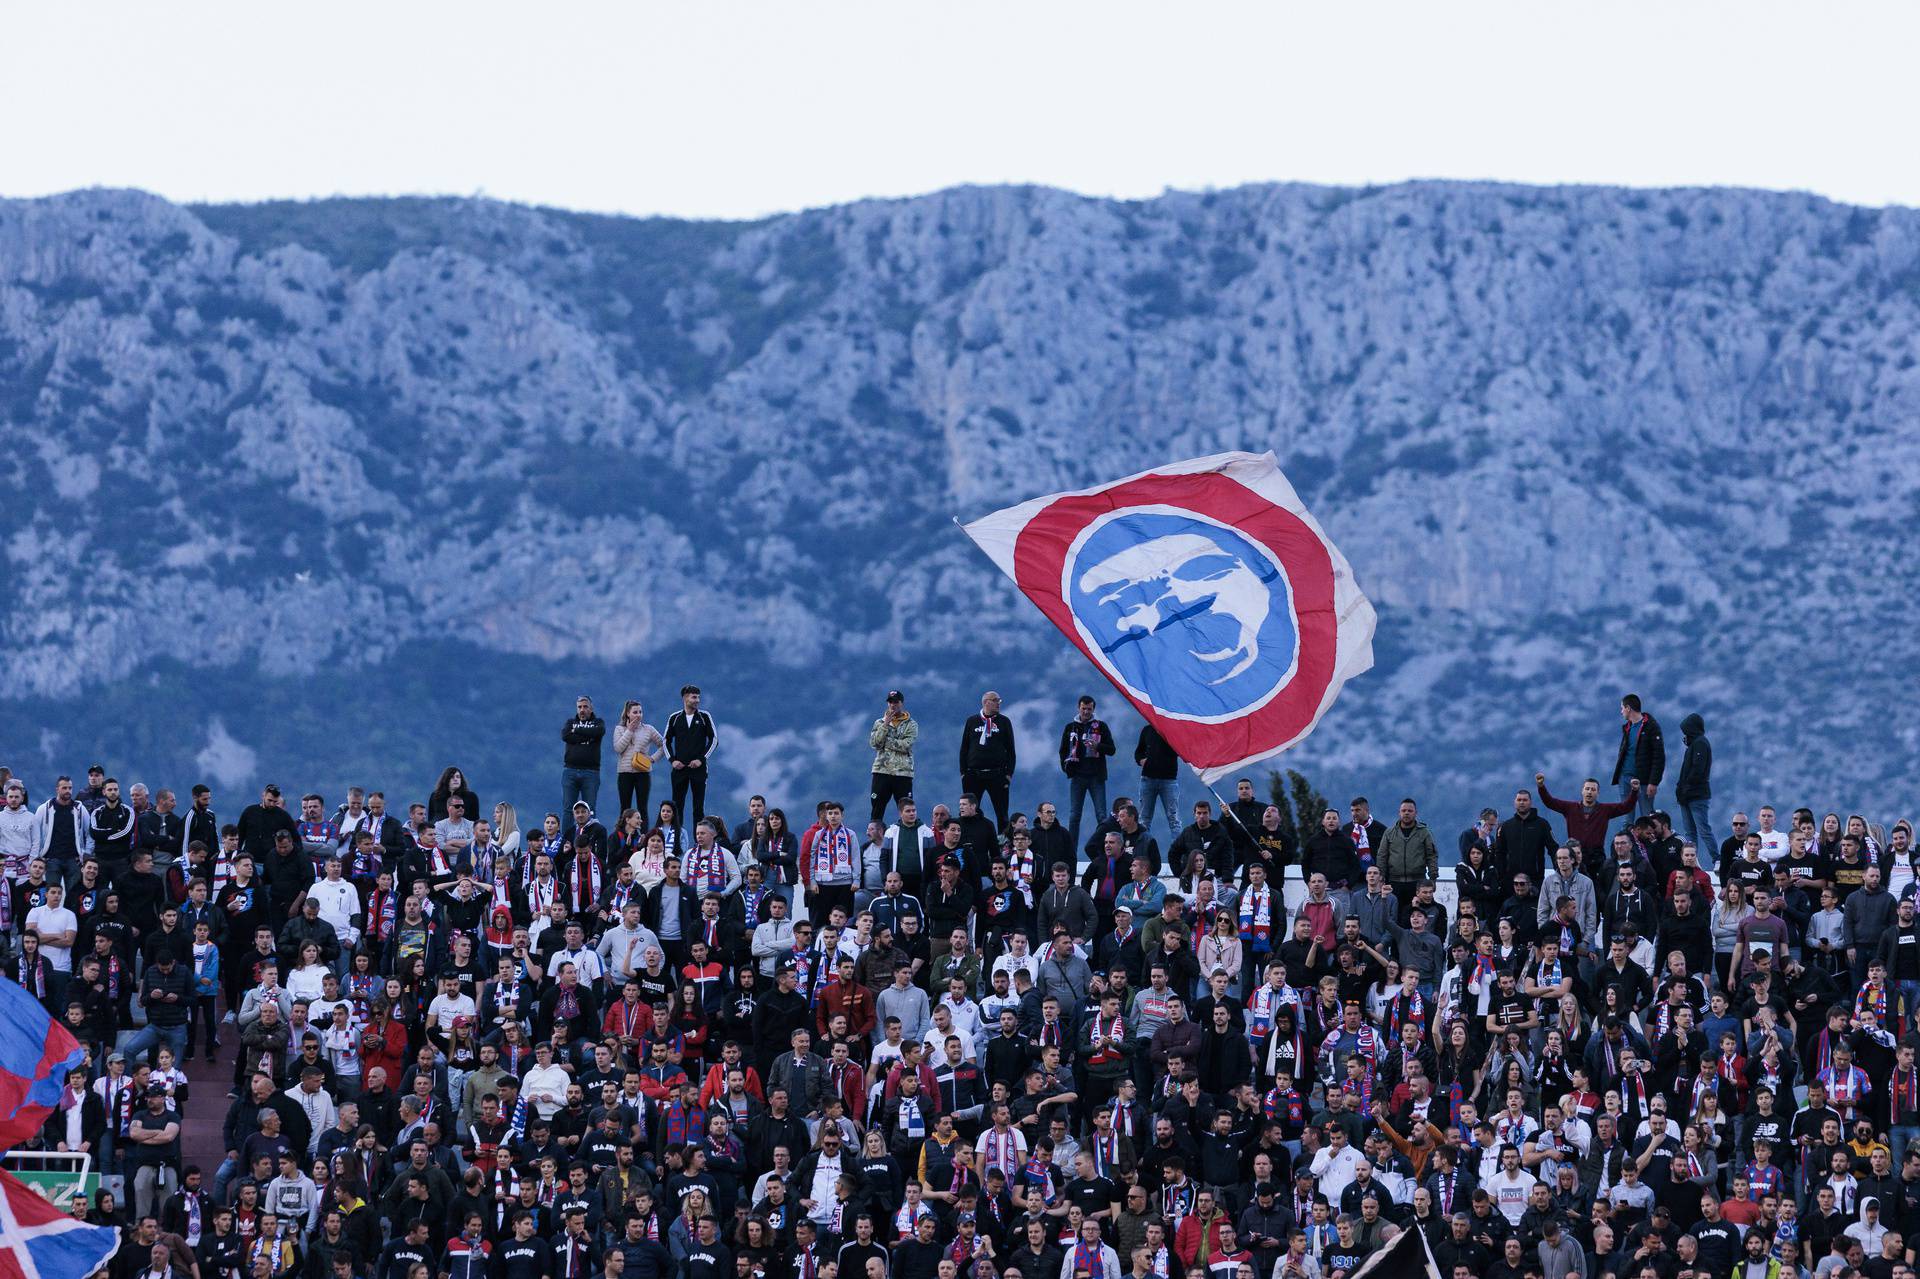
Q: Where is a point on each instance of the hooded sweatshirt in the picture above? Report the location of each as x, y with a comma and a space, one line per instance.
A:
1696, 765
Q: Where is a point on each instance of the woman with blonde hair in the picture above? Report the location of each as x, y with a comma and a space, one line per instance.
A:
636, 744
506, 828
1730, 909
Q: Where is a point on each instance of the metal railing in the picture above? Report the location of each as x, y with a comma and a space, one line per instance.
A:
55, 1175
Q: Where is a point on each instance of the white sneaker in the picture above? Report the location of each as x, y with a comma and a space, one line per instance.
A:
228, 1020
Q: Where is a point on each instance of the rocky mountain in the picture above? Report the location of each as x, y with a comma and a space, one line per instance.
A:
345, 490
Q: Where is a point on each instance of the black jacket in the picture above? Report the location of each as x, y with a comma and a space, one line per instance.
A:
1696, 766
582, 737
112, 829
1524, 844
154, 981
995, 754
689, 737
1332, 855
201, 826
1156, 759
258, 826
162, 835
1084, 749
650, 908
1649, 761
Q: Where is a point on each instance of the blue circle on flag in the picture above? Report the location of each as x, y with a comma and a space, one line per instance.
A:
1191, 615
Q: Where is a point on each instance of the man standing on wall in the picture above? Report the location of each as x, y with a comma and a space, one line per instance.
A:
1642, 757
690, 737
987, 756
1085, 744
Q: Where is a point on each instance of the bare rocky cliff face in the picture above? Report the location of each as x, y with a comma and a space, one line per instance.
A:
343, 491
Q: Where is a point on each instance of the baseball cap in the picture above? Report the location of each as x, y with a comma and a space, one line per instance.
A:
896, 695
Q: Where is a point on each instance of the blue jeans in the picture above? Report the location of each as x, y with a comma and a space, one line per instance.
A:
1078, 789
1908, 993
1697, 829
150, 1036
1166, 792
1900, 1137
226, 1172
1641, 807
577, 784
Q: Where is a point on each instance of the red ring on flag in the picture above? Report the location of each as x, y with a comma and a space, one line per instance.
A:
1040, 553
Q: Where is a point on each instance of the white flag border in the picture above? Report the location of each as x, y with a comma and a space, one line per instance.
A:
997, 532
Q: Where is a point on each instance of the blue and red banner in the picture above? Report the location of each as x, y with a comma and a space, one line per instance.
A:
1205, 592
39, 1241
35, 1054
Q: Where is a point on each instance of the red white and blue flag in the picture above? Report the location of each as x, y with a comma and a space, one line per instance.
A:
1205, 592
39, 1241
36, 1053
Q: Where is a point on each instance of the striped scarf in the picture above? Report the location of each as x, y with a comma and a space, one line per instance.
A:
1256, 918
707, 869
1407, 1008
682, 1124
517, 1128
1039, 1175
1871, 999
1000, 1150
586, 882
382, 910
834, 855
1288, 1106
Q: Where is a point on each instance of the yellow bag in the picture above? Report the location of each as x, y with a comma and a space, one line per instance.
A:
642, 762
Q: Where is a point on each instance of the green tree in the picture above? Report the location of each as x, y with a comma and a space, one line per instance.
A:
1277, 796
1308, 803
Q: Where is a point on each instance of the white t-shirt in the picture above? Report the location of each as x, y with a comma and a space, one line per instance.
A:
586, 960
339, 903
445, 1008
935, 1041
1335, 1171
54, 919
1773, 845
1510, 1196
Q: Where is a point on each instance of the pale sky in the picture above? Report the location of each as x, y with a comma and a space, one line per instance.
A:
737, 109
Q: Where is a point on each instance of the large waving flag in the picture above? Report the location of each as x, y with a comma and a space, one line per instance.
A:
1409, 1256
39, 1241
1205, 592
35, 1054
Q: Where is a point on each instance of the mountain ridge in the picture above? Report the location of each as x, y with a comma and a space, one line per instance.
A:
1574, 441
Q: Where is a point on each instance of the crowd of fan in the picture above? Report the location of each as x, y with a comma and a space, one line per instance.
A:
958, 1044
